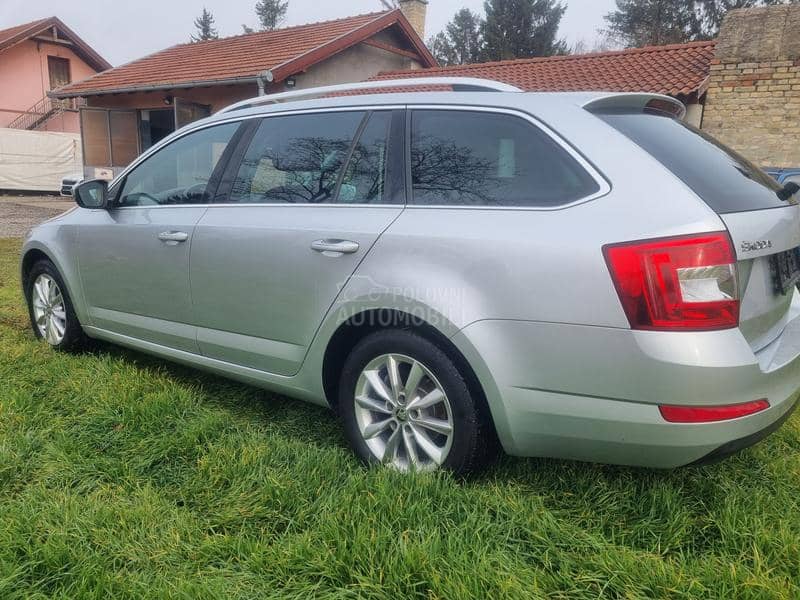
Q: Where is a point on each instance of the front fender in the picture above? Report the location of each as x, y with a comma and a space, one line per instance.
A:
59, 243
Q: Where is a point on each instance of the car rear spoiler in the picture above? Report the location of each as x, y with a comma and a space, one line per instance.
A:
637, 102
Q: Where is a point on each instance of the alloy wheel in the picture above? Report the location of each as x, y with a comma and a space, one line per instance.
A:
49, 310
403, 413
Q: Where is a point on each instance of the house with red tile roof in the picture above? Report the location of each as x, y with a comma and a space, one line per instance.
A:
131, 107
36, 58
680, 70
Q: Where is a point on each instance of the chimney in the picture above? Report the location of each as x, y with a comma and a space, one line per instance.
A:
415, 11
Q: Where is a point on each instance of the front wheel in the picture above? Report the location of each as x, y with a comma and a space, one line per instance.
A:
406, 405
50, 307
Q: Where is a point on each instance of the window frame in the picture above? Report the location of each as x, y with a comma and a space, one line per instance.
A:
52, 60
400, 134
604, 187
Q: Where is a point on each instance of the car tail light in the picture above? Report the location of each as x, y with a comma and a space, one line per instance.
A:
682, 283
709, 414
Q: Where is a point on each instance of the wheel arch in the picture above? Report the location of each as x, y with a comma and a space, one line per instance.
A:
357, 327
30, 258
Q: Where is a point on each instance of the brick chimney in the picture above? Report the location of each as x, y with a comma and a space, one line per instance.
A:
415, 11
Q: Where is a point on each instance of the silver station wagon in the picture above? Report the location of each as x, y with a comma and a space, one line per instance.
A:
579, 276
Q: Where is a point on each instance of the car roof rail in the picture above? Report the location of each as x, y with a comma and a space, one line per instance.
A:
459, 84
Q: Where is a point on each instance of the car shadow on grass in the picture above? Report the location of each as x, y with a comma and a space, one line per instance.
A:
318, 425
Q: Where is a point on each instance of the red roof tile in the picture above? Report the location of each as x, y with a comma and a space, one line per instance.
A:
244, 57
679, 69
7, 36
19, 33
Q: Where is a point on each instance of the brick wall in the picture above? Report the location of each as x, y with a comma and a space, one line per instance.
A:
753, 101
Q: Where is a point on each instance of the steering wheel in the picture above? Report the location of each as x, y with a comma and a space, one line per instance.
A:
140, 199
198, 189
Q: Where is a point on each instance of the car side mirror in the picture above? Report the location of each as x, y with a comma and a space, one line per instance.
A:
91, 194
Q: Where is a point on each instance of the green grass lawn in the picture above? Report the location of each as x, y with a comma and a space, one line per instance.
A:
123, 476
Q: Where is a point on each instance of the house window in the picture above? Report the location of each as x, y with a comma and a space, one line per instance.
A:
59, 72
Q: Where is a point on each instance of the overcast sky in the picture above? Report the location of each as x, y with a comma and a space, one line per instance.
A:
123, 31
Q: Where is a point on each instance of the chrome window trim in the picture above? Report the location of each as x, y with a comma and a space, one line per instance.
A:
602, 182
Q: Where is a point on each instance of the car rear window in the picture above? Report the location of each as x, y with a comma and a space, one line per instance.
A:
724, 179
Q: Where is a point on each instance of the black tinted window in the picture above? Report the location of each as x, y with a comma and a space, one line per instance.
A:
486, 159
296, 158
725, 180
180, 172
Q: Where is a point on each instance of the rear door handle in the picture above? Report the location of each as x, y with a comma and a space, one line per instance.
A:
335, 247
173, 237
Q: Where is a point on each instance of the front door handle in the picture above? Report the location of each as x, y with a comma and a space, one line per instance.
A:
335, 247
173, 237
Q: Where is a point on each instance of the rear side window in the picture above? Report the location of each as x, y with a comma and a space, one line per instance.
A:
470, 158
364, 180
724, 179
296, 159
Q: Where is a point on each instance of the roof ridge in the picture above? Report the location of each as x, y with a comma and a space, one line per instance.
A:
568, 57
281, 29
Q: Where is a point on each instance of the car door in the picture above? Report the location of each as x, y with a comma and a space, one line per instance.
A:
134, 256
307, 199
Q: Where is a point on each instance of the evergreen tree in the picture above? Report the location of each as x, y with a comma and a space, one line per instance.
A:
655, 22
521, 29
205, 27
460, 42
271, 13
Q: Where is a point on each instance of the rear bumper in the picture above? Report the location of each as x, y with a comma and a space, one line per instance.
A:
735, 446
592, 393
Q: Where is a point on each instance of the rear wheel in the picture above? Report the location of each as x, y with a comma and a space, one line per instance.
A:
405, 404
52, 316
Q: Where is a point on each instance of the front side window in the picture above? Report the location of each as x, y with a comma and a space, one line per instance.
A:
298, 159
469, 158
180, 172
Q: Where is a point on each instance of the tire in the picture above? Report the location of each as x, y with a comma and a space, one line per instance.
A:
73, 337
398, 426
